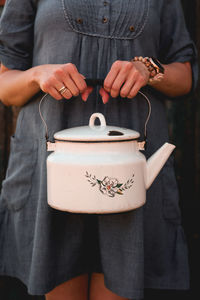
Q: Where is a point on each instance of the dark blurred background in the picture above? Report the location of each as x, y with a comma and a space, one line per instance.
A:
184, 128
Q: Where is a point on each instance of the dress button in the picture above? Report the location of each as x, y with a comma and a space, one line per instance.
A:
132, 28
79, 21
104, 20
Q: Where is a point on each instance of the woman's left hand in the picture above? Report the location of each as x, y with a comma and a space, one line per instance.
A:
125, 78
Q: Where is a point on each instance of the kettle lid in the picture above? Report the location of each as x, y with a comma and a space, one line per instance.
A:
96, 133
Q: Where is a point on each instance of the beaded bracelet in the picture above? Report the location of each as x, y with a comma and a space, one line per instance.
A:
156, 70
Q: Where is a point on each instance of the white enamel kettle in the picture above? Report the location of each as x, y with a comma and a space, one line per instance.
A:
99, 169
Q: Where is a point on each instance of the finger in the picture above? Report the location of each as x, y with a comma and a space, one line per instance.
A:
111, 76
71, 85
52, 87
54, 93
76, 77
135, 89
58, 81
63, 90
127, 87
82, 76
86, 93
65, 79
67, 94
105, 95
117, 84
66, 74
79, 82
127, 72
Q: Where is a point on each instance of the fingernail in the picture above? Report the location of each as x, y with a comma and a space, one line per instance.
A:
84, 97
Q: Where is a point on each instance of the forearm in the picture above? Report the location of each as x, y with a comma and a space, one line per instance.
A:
17, 87
177, 80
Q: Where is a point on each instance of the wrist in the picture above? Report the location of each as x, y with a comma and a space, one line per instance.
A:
33, 79
154, 67
143, 69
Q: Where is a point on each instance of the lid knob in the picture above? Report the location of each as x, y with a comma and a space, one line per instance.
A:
101, 119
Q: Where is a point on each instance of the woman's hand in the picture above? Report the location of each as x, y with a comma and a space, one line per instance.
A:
125, 79
52, 78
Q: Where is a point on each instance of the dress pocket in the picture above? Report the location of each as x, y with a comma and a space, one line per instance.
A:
17, 186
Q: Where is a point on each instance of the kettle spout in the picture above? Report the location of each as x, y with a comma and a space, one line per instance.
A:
157, 161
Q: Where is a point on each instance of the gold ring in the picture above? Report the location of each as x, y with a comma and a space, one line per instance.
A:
62, 89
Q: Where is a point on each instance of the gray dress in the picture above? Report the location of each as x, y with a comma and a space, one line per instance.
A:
44, 247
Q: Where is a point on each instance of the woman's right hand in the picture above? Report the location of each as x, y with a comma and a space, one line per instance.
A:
51, 78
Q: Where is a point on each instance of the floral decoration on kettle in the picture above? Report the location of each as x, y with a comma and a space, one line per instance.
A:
110, 186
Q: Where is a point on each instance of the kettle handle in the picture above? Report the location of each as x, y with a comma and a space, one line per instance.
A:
99, 81
147, 119
41, 116
89, 81
94, 82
